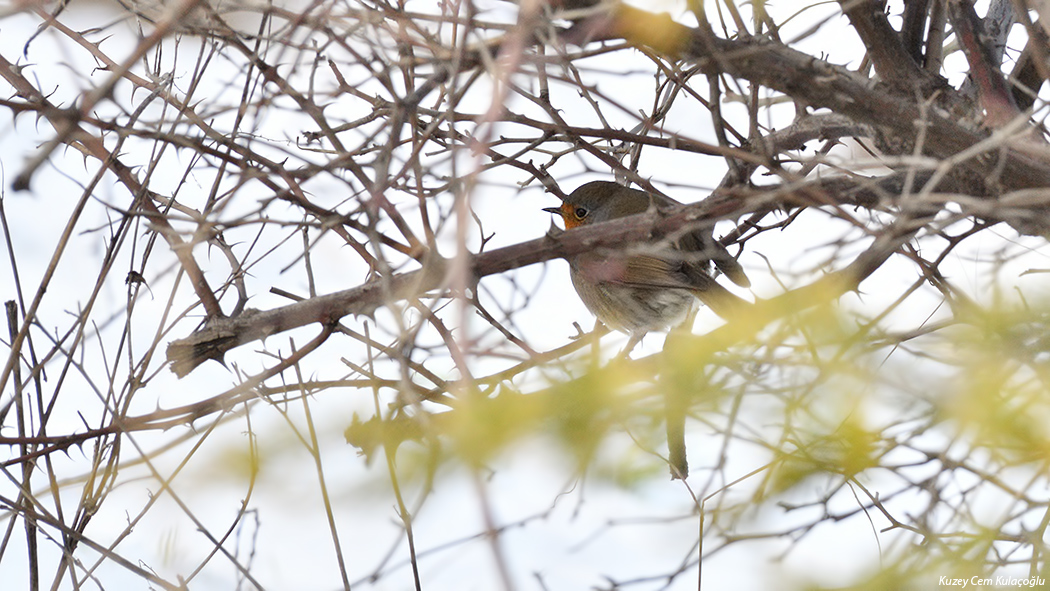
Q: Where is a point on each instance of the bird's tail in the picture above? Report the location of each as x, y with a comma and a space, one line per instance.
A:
721, 301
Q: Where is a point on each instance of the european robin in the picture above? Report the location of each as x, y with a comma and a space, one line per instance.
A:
648, 287
639, 290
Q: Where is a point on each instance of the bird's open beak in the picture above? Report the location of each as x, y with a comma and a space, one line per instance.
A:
555, 230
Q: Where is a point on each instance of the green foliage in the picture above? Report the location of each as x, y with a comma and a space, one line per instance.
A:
999, 396
846, 452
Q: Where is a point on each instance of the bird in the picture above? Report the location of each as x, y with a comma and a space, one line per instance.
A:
648, 287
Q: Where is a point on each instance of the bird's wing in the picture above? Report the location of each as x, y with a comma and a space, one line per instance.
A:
632, 270
702, 244
653, 272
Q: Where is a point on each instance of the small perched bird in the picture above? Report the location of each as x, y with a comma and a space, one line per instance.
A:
637, 289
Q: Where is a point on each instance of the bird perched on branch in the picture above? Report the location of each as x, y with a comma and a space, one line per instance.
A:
648, 287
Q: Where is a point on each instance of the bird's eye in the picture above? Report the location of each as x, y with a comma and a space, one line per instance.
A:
580, 213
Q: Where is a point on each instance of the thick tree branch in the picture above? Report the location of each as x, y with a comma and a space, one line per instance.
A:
224, 334
1004, 165
1010, 162
913, 29
893, 61
995, 96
